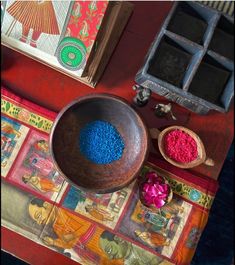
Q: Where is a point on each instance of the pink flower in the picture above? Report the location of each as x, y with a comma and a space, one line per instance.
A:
155, 190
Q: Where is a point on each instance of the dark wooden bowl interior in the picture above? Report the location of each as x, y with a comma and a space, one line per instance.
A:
64, 143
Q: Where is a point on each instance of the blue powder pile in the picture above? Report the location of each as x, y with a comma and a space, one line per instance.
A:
100, 142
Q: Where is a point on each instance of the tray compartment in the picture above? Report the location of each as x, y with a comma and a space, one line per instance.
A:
211, 81
171, 61
222, 41
192, 21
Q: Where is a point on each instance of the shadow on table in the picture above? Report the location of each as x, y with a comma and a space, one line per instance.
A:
7, 259
216, 244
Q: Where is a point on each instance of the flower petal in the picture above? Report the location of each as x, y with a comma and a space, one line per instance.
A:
146, 187
160, 188
158, 202
162, 196
148, 198
152, 176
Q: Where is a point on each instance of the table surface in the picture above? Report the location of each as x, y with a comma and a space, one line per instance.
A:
54, 90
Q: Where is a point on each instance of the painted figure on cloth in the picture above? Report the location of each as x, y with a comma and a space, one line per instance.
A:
42, 145
154, 221
38, 15
7, 147
118, 203
172, 208
98, 213
106, 209
152, 239
38, 159
8, 129
162, 221
9, 135
40, 183
71, 231
42, 164
117, 248
102, 199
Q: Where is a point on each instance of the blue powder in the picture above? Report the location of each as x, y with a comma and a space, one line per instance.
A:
100, 142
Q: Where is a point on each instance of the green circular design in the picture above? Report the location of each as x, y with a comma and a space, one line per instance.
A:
71, 53
194, 195
71, 56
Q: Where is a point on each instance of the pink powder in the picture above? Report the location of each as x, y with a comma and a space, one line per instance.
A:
180, 146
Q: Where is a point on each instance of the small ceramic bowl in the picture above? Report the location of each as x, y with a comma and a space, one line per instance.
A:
201, 158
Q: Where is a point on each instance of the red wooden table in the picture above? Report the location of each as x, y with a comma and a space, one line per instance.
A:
54, 90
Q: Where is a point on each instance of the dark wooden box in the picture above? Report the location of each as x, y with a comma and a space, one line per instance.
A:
191, 60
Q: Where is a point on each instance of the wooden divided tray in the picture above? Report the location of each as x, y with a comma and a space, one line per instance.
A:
191, 60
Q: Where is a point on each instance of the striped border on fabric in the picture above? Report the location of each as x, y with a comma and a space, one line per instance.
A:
181, 188
227, 7
22, 114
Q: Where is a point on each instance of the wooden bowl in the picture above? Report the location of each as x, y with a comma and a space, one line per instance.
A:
81, 172
201, 158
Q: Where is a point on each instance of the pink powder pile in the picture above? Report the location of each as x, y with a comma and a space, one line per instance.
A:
180, 146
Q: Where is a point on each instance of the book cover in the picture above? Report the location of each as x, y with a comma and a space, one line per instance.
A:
58, 33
